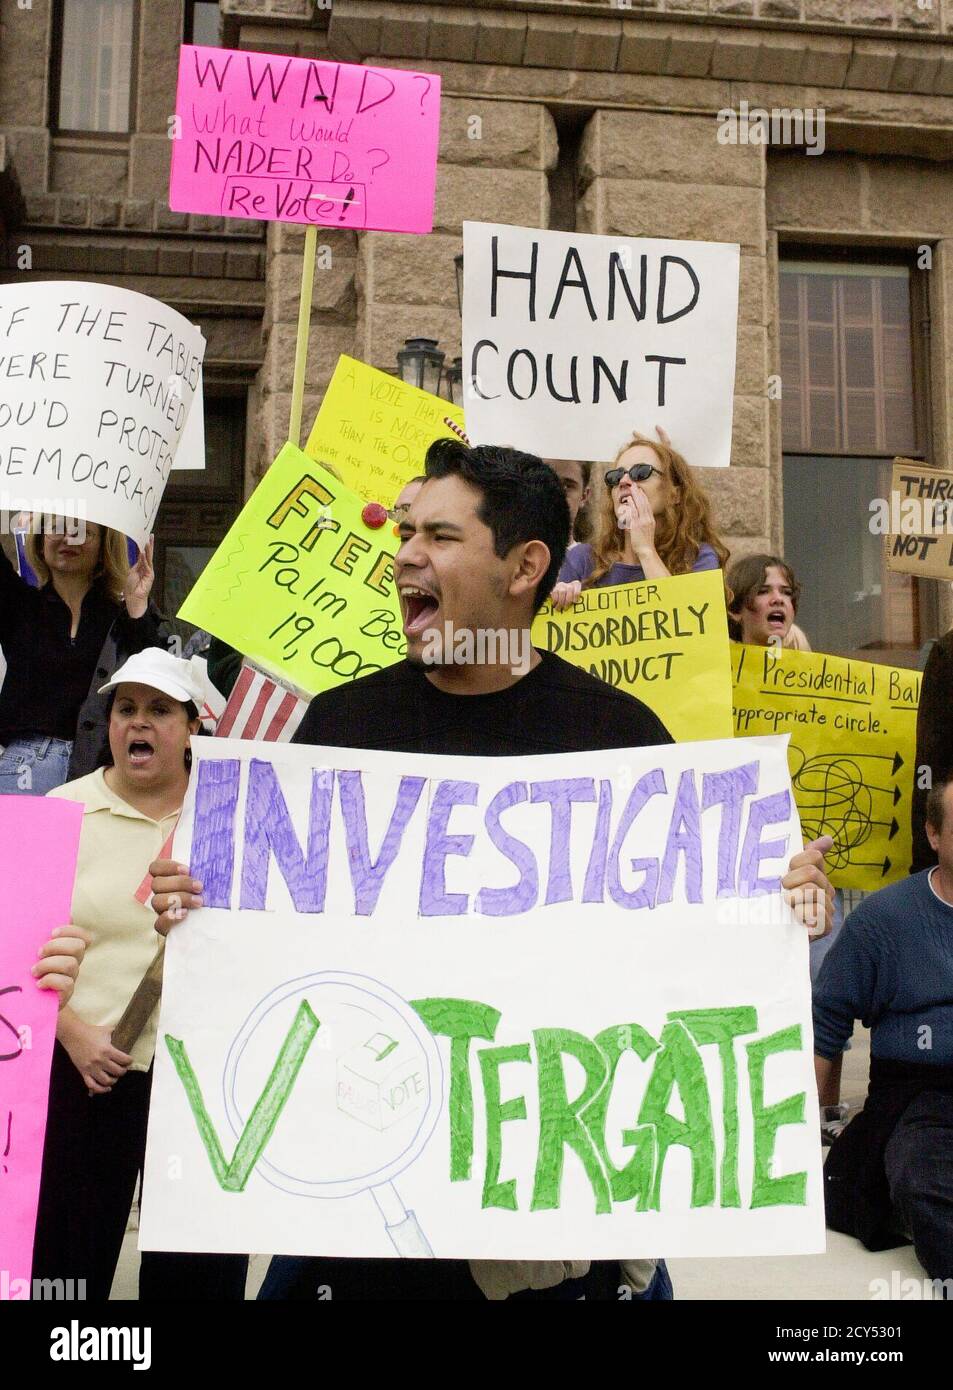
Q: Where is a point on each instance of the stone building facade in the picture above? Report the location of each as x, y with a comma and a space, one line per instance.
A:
599, 117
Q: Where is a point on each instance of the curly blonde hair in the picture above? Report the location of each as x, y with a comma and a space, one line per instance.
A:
680, 532
112, 567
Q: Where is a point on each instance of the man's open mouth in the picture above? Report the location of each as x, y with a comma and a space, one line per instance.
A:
141, 752
419, 610
776, 619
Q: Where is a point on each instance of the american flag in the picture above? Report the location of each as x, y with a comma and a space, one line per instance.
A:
261, 707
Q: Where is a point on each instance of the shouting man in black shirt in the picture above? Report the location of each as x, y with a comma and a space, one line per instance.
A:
480, 551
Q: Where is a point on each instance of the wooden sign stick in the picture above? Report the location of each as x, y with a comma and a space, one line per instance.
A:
304, 324
140, 1007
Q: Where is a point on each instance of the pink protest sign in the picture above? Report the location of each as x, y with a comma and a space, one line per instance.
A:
295, 140
39, 839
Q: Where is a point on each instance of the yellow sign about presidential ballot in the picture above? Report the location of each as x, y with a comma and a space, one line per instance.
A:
662, 640
853, 727
300, 584
375, 430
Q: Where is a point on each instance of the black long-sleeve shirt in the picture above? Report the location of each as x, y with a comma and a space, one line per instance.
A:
555, 708
934, 742
49, 673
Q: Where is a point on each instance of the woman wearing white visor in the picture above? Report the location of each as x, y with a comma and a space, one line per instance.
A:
99, 1096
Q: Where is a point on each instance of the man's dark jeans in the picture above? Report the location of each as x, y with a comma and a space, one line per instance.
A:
919, 1167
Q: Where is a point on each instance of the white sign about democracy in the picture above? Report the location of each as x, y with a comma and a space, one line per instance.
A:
571, 342
96, 385
445, 1006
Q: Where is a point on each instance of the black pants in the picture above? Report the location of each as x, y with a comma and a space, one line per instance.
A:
306, 1278
919, 1167
92, 1156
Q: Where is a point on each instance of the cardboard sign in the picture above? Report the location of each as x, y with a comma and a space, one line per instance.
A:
397, 1058
283, 139
663, 640
572, 342
300, 584
853, 727
918, 526
375, 431
39, 839
97, 388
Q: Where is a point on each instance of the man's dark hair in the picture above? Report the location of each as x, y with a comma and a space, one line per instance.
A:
523, 500
935, 808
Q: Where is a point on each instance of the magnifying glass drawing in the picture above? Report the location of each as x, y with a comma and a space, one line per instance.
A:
367, 1098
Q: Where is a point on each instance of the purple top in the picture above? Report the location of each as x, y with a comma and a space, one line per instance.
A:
578, 564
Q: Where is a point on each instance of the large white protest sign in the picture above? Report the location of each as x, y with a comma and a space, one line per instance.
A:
571, 342
443, 1006
96, 385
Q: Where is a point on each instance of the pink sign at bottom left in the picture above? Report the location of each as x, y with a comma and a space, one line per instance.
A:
39, 841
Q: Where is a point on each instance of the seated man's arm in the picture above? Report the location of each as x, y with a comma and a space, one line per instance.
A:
848, 987
824, 1068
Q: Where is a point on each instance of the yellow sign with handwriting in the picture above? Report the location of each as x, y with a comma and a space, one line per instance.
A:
663, 640
375, 431
853, 727
300, 584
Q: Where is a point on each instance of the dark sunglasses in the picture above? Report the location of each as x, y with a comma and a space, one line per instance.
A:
639, 473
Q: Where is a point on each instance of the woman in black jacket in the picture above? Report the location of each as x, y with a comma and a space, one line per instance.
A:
61, 641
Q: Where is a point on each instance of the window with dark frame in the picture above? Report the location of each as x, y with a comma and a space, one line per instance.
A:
203, 21
851, 400
94, 65
200, 506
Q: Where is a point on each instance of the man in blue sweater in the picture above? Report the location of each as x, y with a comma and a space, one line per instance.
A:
889, 1176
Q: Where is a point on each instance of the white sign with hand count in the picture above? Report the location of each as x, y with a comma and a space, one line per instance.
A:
572, 342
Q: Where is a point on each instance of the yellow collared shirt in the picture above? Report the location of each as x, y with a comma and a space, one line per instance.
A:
117, 845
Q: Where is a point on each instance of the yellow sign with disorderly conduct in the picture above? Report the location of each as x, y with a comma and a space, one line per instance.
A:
301, 584
663, 640
853, 727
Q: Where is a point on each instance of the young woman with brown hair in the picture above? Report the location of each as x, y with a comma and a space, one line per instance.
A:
651, 520
763, 600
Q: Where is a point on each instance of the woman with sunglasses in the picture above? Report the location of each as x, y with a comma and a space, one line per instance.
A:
651, 520
61, 641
